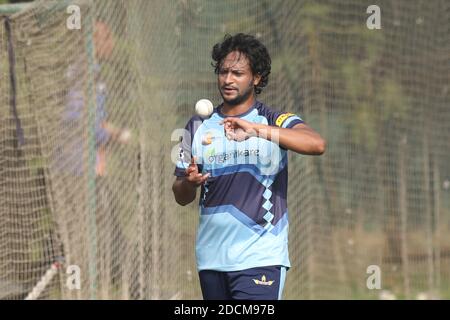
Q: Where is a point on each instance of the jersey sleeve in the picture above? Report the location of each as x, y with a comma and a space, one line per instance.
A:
185, 147
280, 119
285, 120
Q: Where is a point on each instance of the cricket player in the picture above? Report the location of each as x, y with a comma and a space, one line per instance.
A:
238, 158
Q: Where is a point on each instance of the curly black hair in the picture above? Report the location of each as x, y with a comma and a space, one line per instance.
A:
253, 49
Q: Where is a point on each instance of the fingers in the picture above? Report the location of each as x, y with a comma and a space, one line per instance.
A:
230, 135
228, 128
237, 135
205, 177
192, 165
191, 169
192, 174
198, 178
228, 122
234, 130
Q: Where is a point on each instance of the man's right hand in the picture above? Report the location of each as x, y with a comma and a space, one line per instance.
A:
193, 176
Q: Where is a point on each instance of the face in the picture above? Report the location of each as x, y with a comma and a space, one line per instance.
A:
236, 80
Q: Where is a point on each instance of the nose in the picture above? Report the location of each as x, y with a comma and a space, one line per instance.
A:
228, 78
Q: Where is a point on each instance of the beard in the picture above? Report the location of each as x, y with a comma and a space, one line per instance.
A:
240, 97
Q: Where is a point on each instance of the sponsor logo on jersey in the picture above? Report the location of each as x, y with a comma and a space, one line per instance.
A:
232, 155
207, 138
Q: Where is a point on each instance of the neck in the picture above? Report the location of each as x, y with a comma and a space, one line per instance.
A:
234, 110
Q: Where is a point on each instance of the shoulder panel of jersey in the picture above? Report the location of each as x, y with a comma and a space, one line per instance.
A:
277, 118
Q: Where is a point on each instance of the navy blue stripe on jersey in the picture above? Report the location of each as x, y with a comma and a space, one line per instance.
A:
247, 221
249, 197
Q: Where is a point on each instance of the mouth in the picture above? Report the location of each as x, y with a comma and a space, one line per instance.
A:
228, 90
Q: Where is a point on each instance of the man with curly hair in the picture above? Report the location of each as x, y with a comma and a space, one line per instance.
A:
238, 156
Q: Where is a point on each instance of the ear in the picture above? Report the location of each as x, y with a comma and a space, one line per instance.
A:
256, 79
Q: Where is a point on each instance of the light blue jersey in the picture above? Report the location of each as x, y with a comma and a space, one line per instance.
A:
243, 205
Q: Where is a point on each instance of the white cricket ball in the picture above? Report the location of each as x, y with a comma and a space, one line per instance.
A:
204, 108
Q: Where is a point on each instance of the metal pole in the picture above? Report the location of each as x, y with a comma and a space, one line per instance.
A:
92, 225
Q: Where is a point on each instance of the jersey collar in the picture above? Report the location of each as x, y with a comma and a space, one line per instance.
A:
219, 111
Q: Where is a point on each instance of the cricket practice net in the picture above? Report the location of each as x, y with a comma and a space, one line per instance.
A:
98, 197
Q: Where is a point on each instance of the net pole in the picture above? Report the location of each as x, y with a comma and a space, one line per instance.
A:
437, 225
44, 281
91, 161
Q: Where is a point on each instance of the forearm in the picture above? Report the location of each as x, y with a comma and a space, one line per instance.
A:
300, 140
184, 191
